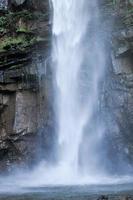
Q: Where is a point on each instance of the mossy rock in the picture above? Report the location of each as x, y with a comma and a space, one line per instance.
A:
19, 42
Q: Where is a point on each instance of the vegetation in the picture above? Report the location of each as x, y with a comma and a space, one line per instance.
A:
16, 30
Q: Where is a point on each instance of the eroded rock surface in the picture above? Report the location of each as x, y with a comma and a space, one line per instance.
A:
25, 35
117, 95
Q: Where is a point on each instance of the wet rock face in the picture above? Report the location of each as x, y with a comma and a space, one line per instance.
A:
38, 4
117, 98
17, 2
26, 106
25, 35
33, 5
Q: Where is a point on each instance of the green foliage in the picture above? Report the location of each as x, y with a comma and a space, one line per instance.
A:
19, 42
15, 31
23, 29
3, 21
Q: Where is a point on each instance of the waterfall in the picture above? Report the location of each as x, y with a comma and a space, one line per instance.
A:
78, 65
69, 27
78, 61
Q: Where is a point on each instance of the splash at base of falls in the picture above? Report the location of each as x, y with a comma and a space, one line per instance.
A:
45, 177
58, 188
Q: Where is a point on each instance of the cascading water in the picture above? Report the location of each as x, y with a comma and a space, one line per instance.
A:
68, 54
79, 62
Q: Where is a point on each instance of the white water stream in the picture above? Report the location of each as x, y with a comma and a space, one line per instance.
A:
79, 63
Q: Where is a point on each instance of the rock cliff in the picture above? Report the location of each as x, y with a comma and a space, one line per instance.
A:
117, 94
25, 42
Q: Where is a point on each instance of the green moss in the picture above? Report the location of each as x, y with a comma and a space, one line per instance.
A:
23, 29
128, 15
18, 42
3, 21
22, 14
3, 24
15, 29
2, 30
26, 15
9, 20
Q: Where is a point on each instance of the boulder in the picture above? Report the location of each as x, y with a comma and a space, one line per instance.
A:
103, 197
